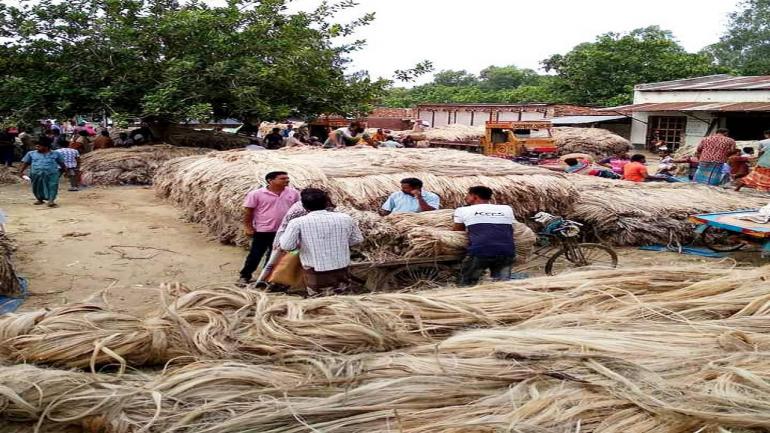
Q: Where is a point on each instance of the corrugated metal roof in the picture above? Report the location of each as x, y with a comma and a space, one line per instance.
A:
711, 82
572, 120
691, 106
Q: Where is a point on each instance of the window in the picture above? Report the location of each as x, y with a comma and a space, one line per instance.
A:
668, 129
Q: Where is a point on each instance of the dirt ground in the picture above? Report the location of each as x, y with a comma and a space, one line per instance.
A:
125, 242
122, 239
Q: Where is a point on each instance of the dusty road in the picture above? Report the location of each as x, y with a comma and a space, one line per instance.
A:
121, 238
128, 241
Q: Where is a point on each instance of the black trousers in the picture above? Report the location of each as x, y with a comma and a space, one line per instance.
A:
6, 155
473, 267
261, 245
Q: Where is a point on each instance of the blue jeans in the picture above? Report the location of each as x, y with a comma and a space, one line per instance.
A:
473, 267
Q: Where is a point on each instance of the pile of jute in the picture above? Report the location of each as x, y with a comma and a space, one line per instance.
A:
232, 323
659, 349
9, 281
629, 213
597, 142
129, 166
8, 176
211, 188
422, 235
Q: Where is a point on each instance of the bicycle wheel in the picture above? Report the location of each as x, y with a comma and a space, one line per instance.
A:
722, 241
417, 277
585, 255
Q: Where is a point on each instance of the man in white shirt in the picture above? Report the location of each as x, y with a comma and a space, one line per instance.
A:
324, 239
490, 237
411, 199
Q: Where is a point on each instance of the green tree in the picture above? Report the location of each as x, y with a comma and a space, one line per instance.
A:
604, 72
507, 77
454, 78
745, 46
249, 60
502, 84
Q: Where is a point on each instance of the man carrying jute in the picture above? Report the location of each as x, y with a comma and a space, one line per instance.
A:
490, 236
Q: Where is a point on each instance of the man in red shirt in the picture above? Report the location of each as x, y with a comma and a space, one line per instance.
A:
712, 154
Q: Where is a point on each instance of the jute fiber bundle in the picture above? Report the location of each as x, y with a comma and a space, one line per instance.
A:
8, 176
455, 132
185, 136
129, 166
232, 323
9, 281
594, 141
644, 214
211, 188
429, 234
677, 376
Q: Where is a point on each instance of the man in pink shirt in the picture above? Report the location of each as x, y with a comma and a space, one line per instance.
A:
264, 211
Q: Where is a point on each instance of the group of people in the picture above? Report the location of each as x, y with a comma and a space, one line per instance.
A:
55, 154
280, 219
717, 161
352, 135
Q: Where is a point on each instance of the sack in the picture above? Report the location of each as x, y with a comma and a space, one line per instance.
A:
288, 271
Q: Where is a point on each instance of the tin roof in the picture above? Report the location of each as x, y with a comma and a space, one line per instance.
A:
709, 83
690, 106
575, 120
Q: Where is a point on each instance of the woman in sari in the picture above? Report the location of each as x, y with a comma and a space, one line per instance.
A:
45, 168
759, 177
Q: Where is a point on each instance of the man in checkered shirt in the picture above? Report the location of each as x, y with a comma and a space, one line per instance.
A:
71, 158
324, 239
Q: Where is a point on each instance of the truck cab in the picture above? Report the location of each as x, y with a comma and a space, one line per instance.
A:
516, 140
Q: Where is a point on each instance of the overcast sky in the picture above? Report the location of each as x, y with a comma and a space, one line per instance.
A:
473, 34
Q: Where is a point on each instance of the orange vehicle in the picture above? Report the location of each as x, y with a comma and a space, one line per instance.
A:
527, 139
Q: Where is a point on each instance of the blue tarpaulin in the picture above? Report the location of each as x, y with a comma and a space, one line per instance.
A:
9, 304
693, 251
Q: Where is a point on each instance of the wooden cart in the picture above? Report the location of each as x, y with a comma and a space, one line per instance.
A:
410, 273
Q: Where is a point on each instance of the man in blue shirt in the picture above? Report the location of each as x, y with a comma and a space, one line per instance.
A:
490, 237
411, 199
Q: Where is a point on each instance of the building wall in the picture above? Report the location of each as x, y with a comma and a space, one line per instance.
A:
696, 128
460, 116
463, 117
702, 96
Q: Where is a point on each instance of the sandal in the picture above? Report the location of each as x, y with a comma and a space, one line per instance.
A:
38, 203
52, 204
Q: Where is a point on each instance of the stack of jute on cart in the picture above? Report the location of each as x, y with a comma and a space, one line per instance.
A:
629, 213
211, 188
455, 133
426, 234
129, 166
9, 281
597, 142
670, 349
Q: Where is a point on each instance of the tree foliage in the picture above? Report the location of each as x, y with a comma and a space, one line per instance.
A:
745, 46
604, 72
502, 84
246, 59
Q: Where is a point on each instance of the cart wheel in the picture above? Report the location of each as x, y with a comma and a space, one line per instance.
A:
585, 255
722, 241
417, 277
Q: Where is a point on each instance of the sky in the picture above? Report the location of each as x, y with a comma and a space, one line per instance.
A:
474, 34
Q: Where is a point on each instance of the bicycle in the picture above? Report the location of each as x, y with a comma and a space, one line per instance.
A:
562, 235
